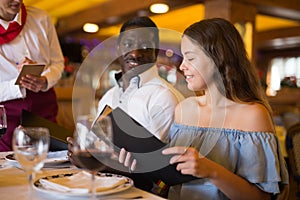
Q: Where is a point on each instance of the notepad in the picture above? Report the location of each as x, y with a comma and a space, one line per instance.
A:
33, 69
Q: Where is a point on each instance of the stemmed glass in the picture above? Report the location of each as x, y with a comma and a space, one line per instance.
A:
31, 145
3, 121
94, 147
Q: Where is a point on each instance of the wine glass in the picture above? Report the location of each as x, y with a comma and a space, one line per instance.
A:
31, 145
94, 148
3, 121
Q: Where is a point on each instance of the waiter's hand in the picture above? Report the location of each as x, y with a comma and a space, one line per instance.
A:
25, 61
34, 83
30, 82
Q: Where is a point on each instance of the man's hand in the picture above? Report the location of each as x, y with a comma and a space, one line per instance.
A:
72, 145
125, 158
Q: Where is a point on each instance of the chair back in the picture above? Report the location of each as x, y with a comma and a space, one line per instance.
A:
293, 150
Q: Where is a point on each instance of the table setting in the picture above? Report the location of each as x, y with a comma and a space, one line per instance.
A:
13, 184
32, 172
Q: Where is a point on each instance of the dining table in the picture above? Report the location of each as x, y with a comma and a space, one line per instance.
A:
14, 184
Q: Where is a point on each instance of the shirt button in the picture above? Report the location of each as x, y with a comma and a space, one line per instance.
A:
120, 101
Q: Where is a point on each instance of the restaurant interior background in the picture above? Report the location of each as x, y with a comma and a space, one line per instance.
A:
270, 28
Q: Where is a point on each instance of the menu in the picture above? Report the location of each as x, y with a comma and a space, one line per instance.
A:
145, 148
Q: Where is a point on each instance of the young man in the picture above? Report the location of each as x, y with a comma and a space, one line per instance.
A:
140, 91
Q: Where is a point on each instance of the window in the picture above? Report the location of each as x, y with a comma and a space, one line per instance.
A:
283, 72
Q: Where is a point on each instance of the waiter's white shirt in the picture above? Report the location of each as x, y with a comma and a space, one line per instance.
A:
38, 41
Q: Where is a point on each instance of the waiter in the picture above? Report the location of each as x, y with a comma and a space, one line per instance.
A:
27, 36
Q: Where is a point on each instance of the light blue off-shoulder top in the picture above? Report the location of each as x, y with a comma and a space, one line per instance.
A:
255, 156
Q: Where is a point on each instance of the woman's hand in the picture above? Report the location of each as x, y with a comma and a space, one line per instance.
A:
190, 161
125, 158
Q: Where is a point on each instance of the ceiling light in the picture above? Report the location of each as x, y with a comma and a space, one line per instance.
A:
159, 8
169, 53
90, 27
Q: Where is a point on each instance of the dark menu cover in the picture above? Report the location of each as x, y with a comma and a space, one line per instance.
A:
58, 134
146, 148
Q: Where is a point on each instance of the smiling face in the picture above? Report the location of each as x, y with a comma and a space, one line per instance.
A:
137, 48
9, 9
196, 66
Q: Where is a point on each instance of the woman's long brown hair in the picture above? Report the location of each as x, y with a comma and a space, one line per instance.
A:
221, 41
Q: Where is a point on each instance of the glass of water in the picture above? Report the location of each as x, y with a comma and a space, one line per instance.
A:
31, 145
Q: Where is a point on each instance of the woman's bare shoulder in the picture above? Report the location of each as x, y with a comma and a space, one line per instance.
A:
253, 117
255, 110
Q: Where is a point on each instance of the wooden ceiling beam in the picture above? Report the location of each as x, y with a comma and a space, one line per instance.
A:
288, 9
101, 13
113, 9
278, 38
116, 9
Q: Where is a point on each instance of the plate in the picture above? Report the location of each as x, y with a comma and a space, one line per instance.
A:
53, 158
128, 184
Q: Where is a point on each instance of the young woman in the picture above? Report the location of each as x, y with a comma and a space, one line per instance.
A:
225, 137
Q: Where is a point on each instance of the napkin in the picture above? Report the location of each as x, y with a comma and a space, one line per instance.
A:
81, 183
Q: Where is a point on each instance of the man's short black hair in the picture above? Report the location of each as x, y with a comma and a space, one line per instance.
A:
141, 22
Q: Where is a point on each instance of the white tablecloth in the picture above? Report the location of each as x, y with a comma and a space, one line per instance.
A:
13, 185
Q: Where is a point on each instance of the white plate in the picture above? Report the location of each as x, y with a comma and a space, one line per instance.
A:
53, 158
39, 187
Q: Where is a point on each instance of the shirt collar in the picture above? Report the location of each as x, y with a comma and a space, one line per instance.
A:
140, 79
18, 19
148, 75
